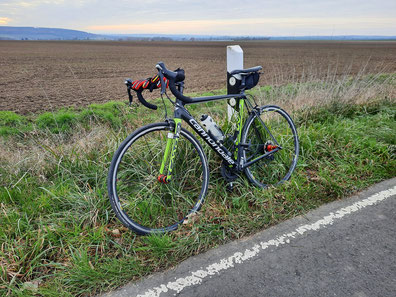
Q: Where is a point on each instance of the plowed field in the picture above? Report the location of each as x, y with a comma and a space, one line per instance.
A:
47, 75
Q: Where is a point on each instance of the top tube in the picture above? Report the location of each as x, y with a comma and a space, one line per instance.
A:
178, 76
213, 98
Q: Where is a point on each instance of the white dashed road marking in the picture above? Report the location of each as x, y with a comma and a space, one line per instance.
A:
196, 277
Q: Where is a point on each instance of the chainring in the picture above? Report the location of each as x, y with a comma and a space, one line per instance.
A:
227, 172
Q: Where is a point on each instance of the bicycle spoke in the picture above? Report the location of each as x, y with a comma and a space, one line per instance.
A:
146, 200
272, 127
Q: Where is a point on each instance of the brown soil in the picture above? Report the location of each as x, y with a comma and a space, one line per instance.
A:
46, 75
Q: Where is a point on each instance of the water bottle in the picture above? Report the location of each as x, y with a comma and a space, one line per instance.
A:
211, 127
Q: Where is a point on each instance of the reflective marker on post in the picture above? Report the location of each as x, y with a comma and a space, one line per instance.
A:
234, 61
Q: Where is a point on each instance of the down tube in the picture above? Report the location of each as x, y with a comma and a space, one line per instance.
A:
225, 154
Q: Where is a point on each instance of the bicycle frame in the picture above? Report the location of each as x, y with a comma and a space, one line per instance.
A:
181, 113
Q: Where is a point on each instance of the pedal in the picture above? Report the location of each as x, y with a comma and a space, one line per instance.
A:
230, 187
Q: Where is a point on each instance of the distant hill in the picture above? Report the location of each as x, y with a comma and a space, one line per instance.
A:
34, 33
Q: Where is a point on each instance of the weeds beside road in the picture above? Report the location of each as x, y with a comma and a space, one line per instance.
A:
59, 236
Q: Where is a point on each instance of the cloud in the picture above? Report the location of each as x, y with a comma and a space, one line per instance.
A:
257, 26
221, 17
4, 21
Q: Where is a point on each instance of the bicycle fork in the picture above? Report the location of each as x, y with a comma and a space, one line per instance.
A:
171, 146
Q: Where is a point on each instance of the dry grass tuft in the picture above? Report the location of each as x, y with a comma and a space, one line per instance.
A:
318, 90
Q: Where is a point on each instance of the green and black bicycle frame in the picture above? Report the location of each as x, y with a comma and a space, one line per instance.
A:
234, 160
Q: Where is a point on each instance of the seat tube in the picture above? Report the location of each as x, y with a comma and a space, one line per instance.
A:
240, 120
174, 147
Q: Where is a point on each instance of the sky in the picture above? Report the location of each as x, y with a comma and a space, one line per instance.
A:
207, 17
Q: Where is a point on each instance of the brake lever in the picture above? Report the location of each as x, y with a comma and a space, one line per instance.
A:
163, 84
130, 96
128, 83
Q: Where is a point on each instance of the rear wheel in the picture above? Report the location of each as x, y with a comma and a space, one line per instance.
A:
270, 129
143, 203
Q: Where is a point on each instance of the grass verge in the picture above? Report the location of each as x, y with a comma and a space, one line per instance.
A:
59, 236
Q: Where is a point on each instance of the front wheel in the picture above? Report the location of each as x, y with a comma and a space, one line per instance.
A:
140, 200
270, 129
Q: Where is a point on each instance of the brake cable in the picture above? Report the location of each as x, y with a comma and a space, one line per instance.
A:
173, 102
254, 100
163, 91
166, 111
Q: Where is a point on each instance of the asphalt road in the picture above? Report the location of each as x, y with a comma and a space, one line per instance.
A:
345, 248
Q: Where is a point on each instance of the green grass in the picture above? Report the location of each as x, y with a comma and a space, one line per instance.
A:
59, 236
12, 123
63, 120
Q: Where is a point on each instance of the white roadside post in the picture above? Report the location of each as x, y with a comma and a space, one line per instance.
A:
234, 61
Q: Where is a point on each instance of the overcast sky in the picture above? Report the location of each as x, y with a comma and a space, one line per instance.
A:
223, 17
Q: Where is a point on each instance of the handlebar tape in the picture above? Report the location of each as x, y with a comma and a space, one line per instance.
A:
174, 77
177, 93
150, 84
144, 102
158, 81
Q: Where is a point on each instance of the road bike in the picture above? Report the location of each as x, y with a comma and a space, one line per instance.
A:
159, 175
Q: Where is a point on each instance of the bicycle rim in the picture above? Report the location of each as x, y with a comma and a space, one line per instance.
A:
140, 201
275, 128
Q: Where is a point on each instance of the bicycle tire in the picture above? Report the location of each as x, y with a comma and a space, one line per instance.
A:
278, 167
139, 200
